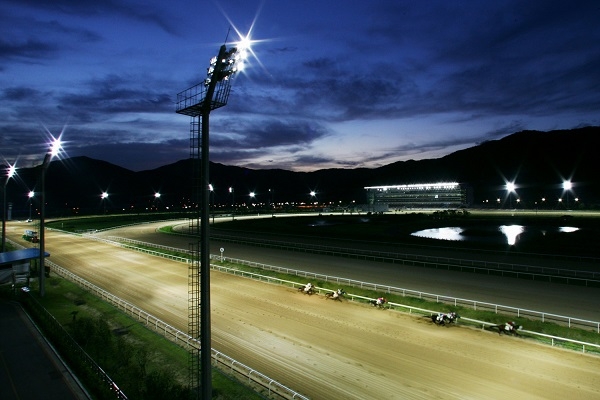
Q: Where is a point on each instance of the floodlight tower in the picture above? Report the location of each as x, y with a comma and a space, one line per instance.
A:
54, 149
197, 102
10, 172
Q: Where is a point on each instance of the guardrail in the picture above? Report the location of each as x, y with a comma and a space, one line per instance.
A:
181, 338
474, 304
555, 340
547, 274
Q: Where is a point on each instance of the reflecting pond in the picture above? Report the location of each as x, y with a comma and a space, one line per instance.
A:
503, 234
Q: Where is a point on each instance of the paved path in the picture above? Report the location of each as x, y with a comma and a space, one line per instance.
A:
29, 369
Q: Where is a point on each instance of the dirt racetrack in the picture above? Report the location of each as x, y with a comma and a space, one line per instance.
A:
331, 350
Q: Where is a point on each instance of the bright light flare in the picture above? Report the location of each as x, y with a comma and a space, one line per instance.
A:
567, 185
12, 170
31, 194
55, 147
245, 42
104, 195
510, 186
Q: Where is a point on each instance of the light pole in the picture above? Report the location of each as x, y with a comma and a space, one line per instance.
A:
55, 147
103, 198
510, 187
10, 172
156, 199
567, 185
30, 195
199, 101
232, 203
211, 205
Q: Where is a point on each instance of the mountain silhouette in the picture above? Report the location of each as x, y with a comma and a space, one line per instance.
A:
537, 162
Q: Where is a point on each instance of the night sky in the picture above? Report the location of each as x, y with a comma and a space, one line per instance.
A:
332, 84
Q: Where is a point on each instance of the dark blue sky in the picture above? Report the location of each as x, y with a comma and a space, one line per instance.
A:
333, 85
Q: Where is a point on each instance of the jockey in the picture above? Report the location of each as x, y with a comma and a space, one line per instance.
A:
380, 301
308, 287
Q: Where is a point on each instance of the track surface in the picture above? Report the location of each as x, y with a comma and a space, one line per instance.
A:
331, 350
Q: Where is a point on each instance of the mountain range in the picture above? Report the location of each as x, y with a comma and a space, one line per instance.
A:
537, 162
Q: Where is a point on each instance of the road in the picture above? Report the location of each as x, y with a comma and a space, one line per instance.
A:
330, 350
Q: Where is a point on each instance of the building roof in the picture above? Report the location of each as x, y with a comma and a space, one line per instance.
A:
18, 256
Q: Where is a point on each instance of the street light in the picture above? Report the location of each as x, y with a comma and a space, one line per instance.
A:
10, 172
103, 198
55, 148
31, 194
510, 187
232, 202
567, 185
199, 101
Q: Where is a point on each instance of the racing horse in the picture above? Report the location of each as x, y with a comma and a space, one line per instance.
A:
307, 289
442, 319
379, 303
508, 328
337, 295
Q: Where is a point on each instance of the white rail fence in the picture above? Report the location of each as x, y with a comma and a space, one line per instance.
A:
180, 338
474, 304
553, 340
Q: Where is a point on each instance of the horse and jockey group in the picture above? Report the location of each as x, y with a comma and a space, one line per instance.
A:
443, 319
310, 289
509, 328
307, 289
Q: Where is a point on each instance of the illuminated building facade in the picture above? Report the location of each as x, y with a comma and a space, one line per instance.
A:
421, 195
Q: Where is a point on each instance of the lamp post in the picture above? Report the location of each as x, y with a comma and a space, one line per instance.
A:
232, 202
9, 174
30, 195
211, 205
156, 199
510, 187
199, 101
54, 149
103, 198
567, 185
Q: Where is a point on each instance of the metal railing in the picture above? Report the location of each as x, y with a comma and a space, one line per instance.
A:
456, 301
555, 340
474, 304
180, 338
547, 274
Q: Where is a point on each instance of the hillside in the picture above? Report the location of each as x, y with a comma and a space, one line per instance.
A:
538, 162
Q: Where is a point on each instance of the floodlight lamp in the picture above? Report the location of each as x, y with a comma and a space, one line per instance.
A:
567, 185
157, 195
104, 195
31, 194
12, 170
55, 147
510, 186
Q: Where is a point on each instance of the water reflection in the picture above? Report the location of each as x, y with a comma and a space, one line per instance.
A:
511, 232
506, 234
568, 229
449, 233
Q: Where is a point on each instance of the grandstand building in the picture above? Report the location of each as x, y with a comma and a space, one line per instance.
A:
421, 195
